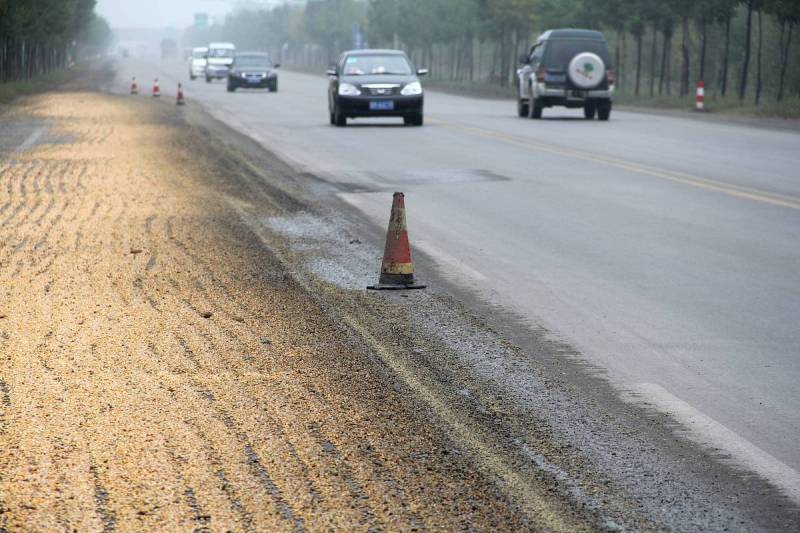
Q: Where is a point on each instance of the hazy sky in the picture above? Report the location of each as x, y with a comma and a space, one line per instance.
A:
158, 13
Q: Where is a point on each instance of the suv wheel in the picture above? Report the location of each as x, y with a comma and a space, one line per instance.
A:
604, 110
589, 110
522, 107
231, 88
534, 109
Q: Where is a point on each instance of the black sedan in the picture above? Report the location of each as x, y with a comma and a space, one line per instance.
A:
253, 70
375, 83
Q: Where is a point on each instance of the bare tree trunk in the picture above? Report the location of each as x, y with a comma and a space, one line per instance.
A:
617, 59
479, 67
495, 61
639, 38
668, 82
621, 67
653, 59
684, 89
758, 59
512, 60
663, 65
726, 56
503, 58
747, 46
471, 44
785, 61
703, 46
664, 54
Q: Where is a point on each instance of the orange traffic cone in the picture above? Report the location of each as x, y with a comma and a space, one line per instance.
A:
134, 87
180, 100
397, 272
156, 89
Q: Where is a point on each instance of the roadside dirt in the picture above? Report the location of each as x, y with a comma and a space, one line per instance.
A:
160, 370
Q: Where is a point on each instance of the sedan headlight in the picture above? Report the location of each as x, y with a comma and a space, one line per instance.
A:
346, 89
242, 74
412, 89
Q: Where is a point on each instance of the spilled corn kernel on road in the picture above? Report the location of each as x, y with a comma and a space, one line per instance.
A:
186, 344
161, 371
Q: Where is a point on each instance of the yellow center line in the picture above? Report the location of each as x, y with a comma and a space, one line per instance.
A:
737, 191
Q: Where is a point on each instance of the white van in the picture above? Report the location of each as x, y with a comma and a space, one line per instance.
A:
220, 57
197, 62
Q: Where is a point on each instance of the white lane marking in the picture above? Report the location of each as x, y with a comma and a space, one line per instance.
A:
447, 261
32, 139
708, 431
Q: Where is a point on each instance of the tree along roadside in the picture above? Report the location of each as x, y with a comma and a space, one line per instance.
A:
743, 50
38, 37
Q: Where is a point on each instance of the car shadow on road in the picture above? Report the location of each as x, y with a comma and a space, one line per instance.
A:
378, 125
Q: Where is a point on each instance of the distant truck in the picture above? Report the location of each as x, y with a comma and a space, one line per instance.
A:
169, 49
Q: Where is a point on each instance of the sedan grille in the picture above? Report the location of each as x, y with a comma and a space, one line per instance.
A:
381, 89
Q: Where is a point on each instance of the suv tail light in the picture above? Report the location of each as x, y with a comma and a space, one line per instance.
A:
540, 75
610, 76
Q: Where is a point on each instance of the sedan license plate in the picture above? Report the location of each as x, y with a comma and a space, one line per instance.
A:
382, 106
254, 80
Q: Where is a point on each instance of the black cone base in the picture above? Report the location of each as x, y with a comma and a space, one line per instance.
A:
396, 282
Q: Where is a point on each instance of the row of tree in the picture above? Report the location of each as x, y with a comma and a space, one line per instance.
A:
659, 46
39, 36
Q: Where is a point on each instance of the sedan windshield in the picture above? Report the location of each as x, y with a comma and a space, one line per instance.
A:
373, 64
253, 62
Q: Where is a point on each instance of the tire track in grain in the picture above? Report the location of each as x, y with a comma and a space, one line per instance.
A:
353, 485
215, 461
368, 519
245, 449
101, 497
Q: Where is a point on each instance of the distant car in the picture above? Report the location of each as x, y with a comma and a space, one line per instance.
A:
253, 70
197, 62
220, 56
375, 83
570, 68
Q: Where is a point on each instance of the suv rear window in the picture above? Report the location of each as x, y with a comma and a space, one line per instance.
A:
559, 52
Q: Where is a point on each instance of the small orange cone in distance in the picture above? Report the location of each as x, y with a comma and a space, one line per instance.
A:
397, 272
156, 89
180, 100
134, 87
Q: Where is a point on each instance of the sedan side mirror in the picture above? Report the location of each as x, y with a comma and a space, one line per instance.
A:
523, 59
331, 72
422, 72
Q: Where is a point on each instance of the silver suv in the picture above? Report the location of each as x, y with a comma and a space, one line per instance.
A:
570, 68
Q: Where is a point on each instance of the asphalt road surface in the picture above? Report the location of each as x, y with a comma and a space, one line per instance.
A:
665, 249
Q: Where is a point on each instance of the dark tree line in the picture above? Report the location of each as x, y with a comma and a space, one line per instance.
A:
40, 36
660, 47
